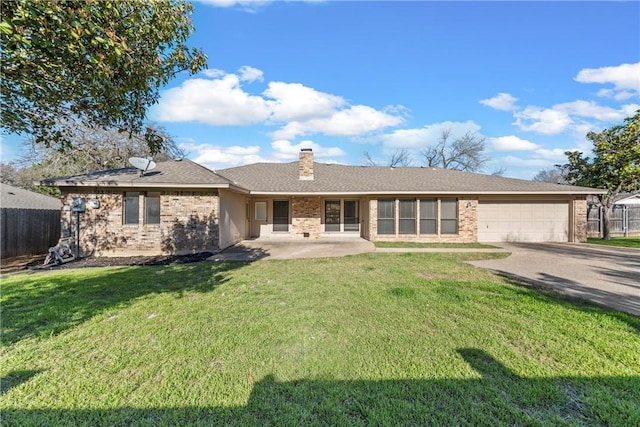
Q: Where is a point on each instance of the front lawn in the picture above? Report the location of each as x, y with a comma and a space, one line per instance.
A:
374, 339
627, 242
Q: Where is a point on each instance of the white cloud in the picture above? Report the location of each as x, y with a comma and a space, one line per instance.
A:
512, 143
218, 157
427, 135
622, 95
297, 109
547, 121
590, 109
623, 77
352, 121
248, 4
570, 116
250, 74
284, 150
296, 102
502, 101
217, 102
214, 73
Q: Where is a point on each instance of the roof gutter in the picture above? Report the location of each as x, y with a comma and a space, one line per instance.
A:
439, 192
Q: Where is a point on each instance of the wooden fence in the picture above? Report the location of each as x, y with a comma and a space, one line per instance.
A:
624, 221
28, 231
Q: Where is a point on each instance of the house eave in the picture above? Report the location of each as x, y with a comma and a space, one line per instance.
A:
138, 184
413, 193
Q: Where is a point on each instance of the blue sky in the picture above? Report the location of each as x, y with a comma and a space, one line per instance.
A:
348, 77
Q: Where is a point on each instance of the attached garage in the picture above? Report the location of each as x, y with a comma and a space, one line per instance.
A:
523, 222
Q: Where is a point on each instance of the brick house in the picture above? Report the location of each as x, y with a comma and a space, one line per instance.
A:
182, 207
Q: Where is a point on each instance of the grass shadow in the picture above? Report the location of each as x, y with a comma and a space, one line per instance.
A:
47, 304
15, 378
491, 395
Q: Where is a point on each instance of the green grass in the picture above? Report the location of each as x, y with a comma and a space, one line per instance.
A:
433, 245
374, 339
627, 242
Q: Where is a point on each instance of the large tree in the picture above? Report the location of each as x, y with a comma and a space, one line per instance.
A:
96, 62
465, 153
93, 149
615, 165
555, 175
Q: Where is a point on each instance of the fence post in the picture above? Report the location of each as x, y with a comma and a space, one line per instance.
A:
600, 222
625, 220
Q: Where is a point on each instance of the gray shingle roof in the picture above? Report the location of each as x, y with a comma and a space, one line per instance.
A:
17, 198
282, 178
172, 173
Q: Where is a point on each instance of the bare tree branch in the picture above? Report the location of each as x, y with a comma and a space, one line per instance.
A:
465, 153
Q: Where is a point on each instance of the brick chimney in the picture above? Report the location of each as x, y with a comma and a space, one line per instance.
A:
305, 166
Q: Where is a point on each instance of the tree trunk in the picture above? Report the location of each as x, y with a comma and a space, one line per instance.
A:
606, 223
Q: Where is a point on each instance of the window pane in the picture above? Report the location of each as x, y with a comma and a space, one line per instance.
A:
386, 216
449, 209
427, 226
261, 211
449, 226
131, 207
386, 209
407, 222
449, 216
428, 209
280, 215
407, 208
152, 208
407, 226
385, 226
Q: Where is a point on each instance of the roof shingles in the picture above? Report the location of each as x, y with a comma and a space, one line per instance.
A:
283, 179
333, 178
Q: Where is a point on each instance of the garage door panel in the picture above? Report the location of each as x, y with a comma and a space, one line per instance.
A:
524, 222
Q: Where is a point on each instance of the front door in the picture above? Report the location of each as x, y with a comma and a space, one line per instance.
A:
259, 217
280, 215
332, 215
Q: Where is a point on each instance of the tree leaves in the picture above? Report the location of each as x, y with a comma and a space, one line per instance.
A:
94, 62
615, 166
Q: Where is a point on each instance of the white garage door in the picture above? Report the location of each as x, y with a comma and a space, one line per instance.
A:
523, 222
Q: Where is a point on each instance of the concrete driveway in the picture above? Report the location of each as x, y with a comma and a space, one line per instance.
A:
608, 276
251, 250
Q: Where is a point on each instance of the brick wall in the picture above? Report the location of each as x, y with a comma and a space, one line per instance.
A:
580, 220
305, 216
188, 223
467, 225
305, 166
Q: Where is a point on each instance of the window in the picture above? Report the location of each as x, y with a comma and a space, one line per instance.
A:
131, 207
152, 208
407, 219
280, 215
449, 216
386, 216
261, 211
428, 216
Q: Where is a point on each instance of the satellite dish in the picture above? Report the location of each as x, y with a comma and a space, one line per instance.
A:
142, 164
